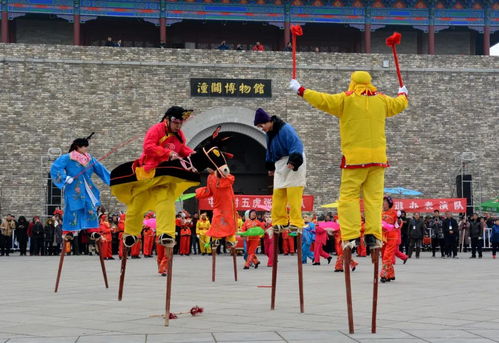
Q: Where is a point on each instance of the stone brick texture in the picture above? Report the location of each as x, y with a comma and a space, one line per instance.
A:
51, 94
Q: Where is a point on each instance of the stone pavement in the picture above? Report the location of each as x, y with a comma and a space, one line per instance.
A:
432, 300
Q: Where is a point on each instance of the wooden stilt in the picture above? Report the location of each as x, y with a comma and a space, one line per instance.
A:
213, 262
347, 256
103, 266
375, 257
61, 262
274, 270
234, 261
122, 271
300, 272
169, 253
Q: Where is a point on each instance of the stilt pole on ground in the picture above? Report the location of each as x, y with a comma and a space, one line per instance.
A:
347, 256
103, 266
61, 262
122, 271
234, 261
169, 253
213, 263
274, 270
300, 273
375, 257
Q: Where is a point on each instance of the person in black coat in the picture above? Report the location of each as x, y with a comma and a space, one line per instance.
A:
404, 233
48, 237
451, 234
22, 234
37, 237
416, 233
476, 235
437, 234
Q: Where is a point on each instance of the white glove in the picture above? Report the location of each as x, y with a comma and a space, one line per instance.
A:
404, 90
69, 180
294, 85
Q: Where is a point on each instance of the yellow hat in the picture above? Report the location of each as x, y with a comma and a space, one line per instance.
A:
360, 82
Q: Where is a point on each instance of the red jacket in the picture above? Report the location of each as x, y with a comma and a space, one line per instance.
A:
159, 144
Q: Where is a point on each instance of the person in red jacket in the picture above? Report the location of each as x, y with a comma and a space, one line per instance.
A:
224, 222
107, 238
390, 237
252, 241
149, 233
361, 249
339, 265
185, 240
120, 230
288, 243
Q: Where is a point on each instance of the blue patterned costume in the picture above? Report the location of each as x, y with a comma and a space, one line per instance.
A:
81, 197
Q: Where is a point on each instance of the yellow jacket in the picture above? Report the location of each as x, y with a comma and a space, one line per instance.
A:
362, 123
202, 227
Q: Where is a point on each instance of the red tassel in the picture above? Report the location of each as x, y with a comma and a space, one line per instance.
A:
394, 39
296, 30
196, 310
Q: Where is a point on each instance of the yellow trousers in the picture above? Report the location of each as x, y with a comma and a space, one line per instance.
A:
370, 181
281, 198
161, 200
203, 239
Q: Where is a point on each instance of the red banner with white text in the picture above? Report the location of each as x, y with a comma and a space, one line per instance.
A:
256, 202
455, 205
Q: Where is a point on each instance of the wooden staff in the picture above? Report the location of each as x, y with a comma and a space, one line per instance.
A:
375, 258
296, 30
300, 272
274, 270
169, 253
347, 256
123, 270
103, 266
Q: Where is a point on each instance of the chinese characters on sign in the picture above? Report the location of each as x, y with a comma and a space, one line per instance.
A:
457, 205
256, 202
239, 88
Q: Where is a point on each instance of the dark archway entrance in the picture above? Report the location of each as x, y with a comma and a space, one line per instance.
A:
248, 166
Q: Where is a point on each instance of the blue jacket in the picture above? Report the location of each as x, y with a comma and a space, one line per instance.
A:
283, 141
494, 234
80, 207
308, 234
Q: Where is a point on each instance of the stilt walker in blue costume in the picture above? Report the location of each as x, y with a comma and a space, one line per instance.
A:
72, 173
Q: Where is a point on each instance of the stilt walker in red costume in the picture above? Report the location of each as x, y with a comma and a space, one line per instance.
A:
224, 220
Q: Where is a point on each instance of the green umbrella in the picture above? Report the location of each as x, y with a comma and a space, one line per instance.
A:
186, 196
252, 231
491, 205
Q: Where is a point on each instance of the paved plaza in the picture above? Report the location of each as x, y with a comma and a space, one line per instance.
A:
432, 300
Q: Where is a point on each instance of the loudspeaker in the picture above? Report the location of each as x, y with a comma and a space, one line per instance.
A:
464, 187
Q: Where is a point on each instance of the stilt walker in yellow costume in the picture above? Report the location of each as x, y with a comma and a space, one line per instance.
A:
164, 141
285, 160
362, 112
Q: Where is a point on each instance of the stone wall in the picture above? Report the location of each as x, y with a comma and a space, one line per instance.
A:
52, 94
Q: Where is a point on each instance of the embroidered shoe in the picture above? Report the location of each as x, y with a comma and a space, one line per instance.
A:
278, 228
69, 236
166, 240
230, 245
215, 243
372, 242
350, 244
95, 236
129, 240
295, 229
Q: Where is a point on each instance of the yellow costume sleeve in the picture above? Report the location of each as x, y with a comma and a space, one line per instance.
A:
395, 105
330, 103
